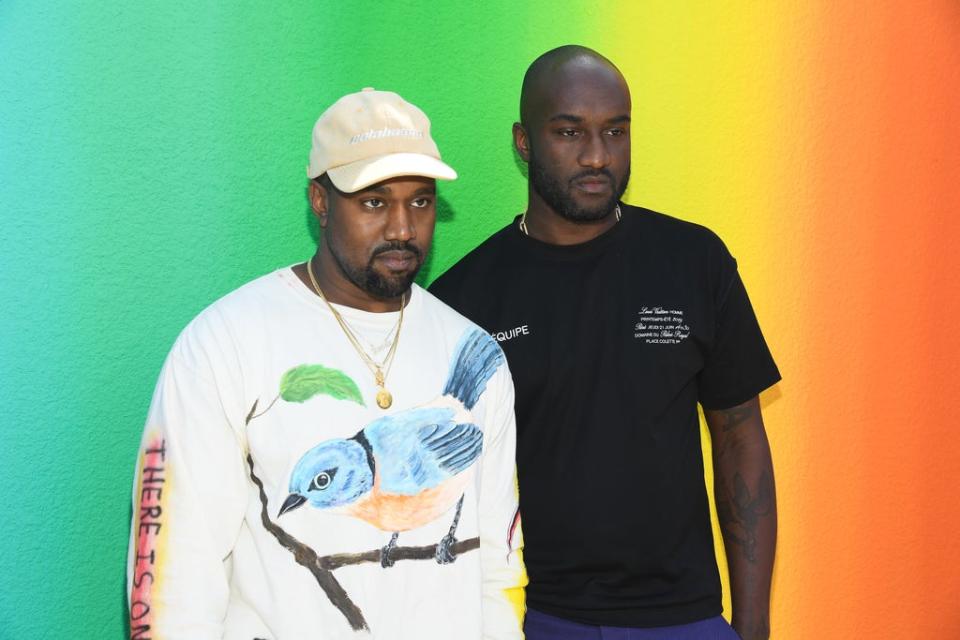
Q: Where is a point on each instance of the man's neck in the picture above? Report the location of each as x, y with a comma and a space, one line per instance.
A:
546, 225
338, 290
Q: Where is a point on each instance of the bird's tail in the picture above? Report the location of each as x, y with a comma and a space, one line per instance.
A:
477, 358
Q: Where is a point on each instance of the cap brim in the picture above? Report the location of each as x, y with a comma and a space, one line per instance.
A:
363, 173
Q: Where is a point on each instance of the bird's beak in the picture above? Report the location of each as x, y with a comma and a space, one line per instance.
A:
293, 501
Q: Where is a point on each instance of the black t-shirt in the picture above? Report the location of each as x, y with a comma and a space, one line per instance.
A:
612, 343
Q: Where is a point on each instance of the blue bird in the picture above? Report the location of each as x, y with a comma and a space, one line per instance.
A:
404, 470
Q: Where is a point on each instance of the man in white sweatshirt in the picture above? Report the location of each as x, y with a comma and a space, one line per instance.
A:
330, 449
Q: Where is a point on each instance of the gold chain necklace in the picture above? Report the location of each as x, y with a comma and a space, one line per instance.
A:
523, 219
381, 370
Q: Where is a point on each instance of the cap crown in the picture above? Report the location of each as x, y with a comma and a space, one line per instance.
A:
368, 124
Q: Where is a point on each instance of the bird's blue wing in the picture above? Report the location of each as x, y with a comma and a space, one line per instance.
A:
419, 449
454, 446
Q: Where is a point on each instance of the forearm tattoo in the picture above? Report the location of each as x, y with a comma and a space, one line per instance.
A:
739, 512
733, 418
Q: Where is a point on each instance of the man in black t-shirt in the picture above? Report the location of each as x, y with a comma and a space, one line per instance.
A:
617, 322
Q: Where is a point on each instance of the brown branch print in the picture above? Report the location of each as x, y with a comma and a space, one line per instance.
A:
307, 557
427, 552
322, 567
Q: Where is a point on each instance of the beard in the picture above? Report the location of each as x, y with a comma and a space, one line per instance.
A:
368, 279
558, 197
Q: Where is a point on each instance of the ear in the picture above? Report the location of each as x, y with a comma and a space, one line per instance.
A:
319, 202
520, 141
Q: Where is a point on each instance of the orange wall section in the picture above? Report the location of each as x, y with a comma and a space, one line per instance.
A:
885, 132
822, 142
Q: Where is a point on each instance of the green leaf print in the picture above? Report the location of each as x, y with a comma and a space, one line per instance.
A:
302, 383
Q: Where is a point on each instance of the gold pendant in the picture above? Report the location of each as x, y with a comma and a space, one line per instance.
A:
384, 399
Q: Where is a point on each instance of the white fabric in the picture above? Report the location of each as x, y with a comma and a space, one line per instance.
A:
216, 572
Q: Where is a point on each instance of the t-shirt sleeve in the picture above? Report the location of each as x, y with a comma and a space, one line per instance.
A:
739, 365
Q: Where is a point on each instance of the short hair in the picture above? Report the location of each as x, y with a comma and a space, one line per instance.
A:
550, 61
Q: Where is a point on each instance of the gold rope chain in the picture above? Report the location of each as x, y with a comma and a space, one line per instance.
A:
380, 371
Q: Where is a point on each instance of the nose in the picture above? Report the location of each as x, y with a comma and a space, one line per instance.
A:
594, 153
400, 225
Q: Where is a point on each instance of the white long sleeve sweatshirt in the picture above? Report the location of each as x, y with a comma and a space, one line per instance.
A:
269, 480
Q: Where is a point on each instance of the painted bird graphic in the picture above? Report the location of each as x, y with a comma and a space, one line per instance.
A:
405, 470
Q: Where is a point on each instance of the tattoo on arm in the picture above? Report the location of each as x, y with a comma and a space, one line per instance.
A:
733, 418
740, 513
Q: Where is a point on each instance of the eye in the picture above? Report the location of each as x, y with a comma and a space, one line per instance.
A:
616, 132
568, 133
422, 203
322, 480
373, 203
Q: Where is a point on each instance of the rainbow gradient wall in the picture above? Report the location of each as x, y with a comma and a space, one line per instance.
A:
152, 158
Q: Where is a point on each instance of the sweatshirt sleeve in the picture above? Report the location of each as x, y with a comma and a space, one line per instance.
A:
189, 497
501, 540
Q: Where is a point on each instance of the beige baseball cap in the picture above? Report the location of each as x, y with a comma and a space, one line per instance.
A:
371, 136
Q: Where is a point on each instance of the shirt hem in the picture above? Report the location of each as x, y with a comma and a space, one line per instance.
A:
633, 618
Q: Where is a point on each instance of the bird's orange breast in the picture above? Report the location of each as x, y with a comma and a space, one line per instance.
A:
395, 512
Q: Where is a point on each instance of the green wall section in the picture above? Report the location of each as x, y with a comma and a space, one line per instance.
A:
152, 159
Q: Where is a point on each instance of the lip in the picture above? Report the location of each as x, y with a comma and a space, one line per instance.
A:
397, 260
593, 185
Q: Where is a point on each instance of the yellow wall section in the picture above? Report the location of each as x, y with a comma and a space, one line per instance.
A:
705, 118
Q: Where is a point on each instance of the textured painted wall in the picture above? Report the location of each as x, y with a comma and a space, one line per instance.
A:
152, 158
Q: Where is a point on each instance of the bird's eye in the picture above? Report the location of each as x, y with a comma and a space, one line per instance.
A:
322, 480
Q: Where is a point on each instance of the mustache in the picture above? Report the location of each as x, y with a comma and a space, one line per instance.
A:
598, 173
397, 245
